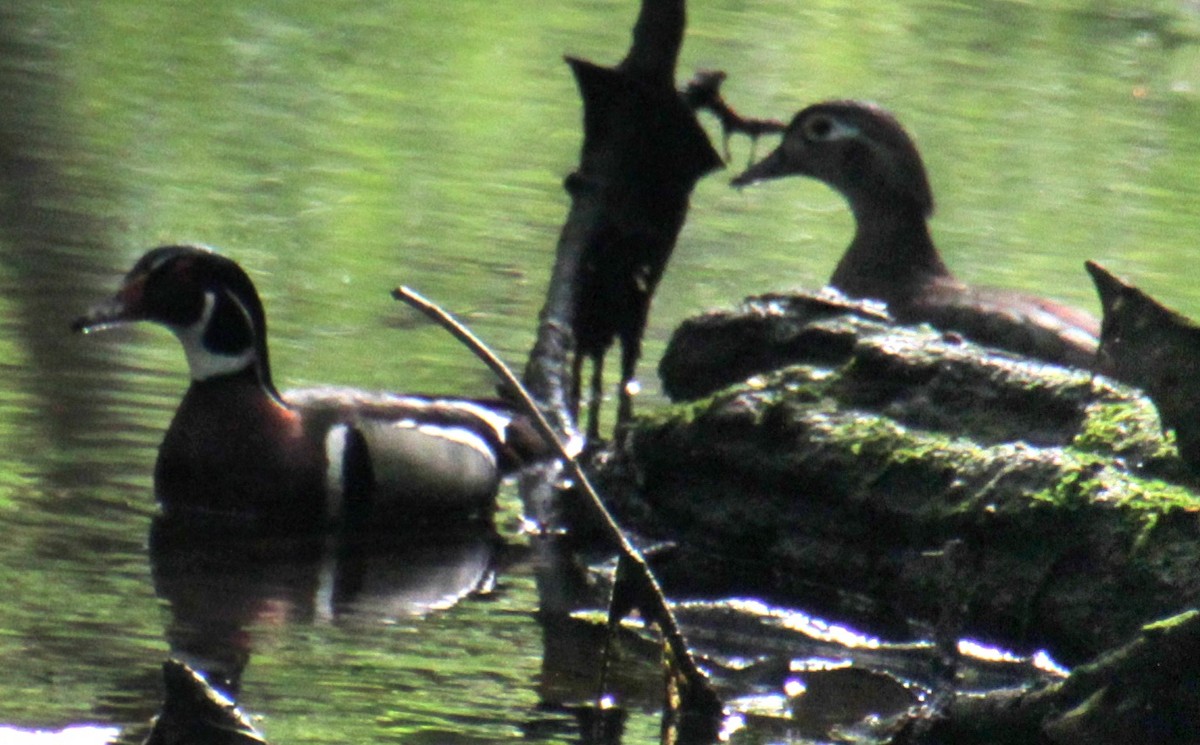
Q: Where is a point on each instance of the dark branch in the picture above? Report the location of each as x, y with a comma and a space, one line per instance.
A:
704, 92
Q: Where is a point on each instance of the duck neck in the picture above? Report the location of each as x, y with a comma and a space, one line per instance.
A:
891, 252
224, 345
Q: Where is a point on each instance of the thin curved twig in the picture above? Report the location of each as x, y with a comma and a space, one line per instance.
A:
647, 594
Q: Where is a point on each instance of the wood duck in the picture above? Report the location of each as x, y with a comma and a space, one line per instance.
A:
862, 151
238, 450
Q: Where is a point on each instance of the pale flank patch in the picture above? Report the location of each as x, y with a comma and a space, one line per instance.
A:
203, 363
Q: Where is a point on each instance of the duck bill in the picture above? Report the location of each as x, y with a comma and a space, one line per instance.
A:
772, 166
124, 307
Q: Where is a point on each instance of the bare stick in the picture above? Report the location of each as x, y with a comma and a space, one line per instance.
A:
489, 358
649, 585
704, 92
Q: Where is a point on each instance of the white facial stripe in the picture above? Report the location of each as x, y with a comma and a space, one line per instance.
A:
335, 462
158, 262
204, 363
241, 307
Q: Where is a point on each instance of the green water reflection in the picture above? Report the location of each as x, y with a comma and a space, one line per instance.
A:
338, 149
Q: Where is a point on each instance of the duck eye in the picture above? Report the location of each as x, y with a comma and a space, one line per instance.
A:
818, 128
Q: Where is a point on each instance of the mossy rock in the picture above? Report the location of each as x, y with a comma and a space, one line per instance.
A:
838, 479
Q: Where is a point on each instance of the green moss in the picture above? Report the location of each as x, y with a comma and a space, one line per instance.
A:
1089, 479
1151, 494
1122, 427
675, 415
878, 437
792, 384
1077, 487
867, 435
804, 401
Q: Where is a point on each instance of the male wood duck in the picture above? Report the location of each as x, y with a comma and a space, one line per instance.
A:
237, 450
862, 151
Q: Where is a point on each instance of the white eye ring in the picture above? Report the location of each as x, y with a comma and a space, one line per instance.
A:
825, 128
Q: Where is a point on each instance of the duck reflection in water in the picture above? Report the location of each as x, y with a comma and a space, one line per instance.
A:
221, 587
195, 713
861, 151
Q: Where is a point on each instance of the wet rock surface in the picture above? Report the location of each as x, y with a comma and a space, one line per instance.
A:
839, 455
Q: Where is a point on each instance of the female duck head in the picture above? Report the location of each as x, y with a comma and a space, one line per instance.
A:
857, 148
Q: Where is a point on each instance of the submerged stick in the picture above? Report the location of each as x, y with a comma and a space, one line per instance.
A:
646, 592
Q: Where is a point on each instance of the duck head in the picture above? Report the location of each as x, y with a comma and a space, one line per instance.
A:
205, 299
856, 148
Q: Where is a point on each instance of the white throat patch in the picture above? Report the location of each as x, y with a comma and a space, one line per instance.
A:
204, 363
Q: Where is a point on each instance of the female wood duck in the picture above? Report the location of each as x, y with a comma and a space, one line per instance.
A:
239, 451
862, 151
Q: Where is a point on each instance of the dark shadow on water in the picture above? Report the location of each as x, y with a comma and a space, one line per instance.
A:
52, 241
